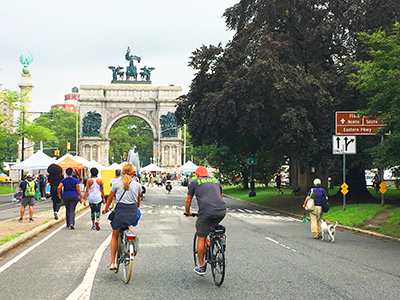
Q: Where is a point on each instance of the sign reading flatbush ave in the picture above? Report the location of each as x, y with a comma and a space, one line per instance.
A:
350, 123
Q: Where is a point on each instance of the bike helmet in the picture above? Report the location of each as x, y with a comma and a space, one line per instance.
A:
317, 181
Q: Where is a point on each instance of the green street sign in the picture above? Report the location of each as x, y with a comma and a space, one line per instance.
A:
251, 161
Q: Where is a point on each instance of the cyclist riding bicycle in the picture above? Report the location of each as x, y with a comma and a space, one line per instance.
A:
211, 208
127, 192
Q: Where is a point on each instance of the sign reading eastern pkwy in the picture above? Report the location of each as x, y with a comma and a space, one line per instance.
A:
349, 122
344, 144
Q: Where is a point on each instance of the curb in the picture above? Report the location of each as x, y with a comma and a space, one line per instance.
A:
34, 232
359, 230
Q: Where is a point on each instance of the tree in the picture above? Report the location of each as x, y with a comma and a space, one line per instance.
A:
275, 87
62, 125
379, 79
129, 132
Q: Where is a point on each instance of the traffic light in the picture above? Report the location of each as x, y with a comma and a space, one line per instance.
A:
68, 145
124, 155
158, 153
56, 152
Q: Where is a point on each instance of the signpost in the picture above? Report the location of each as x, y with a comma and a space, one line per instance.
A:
349, 122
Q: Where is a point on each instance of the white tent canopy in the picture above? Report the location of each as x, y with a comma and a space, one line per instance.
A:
37, 161
152, 168
188, 166
114, 166
95, 164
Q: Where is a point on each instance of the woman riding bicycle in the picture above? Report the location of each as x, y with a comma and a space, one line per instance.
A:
127, 193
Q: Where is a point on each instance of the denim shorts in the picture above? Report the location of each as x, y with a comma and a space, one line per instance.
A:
204, 222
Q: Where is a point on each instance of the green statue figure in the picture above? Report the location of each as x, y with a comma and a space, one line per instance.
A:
91, 123
146, 73
169, 127
26, 62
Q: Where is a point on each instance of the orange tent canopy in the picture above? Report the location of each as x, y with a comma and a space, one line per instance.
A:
69, 162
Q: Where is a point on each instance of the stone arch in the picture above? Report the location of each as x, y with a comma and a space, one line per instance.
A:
116, 101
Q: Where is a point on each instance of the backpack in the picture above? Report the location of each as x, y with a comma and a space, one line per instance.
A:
30, 188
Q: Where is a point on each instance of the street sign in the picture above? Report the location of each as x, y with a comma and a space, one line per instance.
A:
349, 122
344, 144
382, 187
344, 187
251, 161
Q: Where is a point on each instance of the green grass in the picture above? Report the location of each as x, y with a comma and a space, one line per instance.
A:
10, 237
6, 190
392, 225
355, 214
263, 195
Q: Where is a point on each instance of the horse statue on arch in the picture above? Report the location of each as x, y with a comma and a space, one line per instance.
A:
117, 72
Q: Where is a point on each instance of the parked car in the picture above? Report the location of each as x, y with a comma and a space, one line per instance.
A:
368, 179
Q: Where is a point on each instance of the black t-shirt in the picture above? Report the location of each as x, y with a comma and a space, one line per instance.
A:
208, 195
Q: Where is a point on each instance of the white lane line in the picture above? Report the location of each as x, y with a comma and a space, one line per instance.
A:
11, 262
280, 244
84, 289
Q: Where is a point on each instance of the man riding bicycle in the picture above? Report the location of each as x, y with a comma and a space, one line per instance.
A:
212, 209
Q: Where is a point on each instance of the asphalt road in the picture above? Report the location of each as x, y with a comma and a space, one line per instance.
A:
269, 256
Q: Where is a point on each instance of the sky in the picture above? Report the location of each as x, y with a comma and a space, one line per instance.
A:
73, 42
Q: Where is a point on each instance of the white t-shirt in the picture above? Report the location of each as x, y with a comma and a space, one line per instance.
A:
130, 195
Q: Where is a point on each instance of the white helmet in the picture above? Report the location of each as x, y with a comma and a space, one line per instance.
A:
317, 181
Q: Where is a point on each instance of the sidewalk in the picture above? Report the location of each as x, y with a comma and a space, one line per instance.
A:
42, 221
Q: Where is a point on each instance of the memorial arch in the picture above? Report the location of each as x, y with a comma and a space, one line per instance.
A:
103, 105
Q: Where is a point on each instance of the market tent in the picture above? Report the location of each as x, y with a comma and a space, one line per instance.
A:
114, 166
67, 161
37, 161
85, 163
152, 168
188, 166
95, 164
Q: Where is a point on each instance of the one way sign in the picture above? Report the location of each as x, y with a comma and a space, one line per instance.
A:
344, 144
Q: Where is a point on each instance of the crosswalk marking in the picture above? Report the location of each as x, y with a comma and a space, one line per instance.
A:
234, 212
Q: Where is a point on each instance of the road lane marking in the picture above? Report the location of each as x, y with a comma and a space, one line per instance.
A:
13, 261
280, 244
84, 289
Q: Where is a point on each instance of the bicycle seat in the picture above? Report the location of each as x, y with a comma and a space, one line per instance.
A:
217, 228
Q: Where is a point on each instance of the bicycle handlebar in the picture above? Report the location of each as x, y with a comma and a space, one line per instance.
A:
192, 215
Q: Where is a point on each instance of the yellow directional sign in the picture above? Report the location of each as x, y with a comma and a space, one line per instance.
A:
382, 187
344, 187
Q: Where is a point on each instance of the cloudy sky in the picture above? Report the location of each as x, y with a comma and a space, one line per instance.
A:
73, 42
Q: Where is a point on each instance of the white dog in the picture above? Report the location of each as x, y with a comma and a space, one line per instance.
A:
330, 229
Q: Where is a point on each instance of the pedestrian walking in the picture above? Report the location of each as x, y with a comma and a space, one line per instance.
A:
316, 214
71, 195
42, 186
54, 178
95, 195
28, 186
278, 181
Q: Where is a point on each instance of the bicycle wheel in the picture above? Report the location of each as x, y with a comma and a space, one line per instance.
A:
217, 261
195, 257
127, 263
196, 260
118, 255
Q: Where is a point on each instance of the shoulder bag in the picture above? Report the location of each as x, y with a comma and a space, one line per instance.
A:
310, 202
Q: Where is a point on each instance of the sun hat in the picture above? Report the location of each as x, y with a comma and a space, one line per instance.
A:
202, 172
317, 181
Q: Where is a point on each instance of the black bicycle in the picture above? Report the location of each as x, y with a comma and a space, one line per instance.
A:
215, 252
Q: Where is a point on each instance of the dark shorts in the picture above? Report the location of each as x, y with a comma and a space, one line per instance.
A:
28, 201
203, 223
278, 184
125, 214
